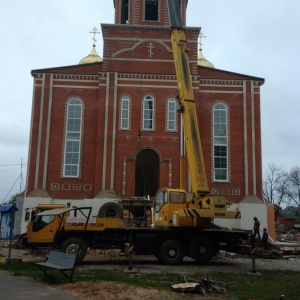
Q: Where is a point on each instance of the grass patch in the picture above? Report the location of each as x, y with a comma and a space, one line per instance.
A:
269, 285
27, 269
149, 280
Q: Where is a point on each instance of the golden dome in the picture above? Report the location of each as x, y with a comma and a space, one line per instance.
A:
203, 62
93, 57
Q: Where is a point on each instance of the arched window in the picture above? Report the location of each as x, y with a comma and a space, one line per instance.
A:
148, 113
220, 140
171, 118
125, 112
73, 138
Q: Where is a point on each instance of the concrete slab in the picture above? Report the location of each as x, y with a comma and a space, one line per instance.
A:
17, 287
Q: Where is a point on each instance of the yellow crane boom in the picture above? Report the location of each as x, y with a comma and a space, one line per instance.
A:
171, 208
187, 103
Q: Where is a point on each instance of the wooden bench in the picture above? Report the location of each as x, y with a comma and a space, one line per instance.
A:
62, 262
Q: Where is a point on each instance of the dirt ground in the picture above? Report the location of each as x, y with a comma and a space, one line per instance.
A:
112, 291
110, 260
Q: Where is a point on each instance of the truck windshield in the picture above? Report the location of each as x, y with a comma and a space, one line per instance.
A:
174, 197
41, 221
161, 200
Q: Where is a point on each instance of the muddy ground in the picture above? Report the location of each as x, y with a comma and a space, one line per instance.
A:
110, 260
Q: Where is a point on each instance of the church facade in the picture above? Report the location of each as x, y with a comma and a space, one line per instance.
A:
109, 129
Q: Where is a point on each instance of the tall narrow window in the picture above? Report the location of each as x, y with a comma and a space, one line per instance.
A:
124, 12
73, 138
148, 111
171, 122
151, 10
125, 106
220, 118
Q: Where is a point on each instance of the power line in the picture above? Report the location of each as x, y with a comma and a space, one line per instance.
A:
12, 165
10, 189
9, 170
20, 177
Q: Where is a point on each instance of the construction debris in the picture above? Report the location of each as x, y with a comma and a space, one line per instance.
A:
201, 286
292, 235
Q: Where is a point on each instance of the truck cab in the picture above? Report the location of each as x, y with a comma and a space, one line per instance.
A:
40, 229
166, 208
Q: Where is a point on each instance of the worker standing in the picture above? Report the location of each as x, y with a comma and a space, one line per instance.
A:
256, 227
265, 238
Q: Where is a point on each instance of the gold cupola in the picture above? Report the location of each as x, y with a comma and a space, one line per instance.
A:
93, 57
202, 61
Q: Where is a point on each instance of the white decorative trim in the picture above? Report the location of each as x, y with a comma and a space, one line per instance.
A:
236, 192
66, 187
105, 132
55, 186
142, 42
87, 187
77, 87
38, 154
246, 166
226, 191
253, 139
215, 191
48, 129
76, 187
114, 130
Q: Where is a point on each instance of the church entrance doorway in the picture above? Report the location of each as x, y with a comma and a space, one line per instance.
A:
146, 173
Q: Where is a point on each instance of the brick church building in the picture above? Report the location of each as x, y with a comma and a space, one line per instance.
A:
108, 128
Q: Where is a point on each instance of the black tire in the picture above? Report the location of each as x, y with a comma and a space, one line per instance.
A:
22, 241
202, 250
110, 210
171, 252
71, 246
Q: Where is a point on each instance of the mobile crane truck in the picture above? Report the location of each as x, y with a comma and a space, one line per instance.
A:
180, 226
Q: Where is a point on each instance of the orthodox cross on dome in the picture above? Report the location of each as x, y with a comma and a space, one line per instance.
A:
150, 47
94, 32
201, 36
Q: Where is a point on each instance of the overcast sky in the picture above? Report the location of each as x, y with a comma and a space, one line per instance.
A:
258, 38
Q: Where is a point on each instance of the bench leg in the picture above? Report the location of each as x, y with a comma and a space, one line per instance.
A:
69, 277
64, 272
43, 269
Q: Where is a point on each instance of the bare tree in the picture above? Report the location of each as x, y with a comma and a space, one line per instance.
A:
294, 190
275, 187
12, 200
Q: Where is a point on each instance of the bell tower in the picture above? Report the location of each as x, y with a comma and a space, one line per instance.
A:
145, 12
139, 40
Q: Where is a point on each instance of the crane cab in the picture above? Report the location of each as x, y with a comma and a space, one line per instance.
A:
166, 206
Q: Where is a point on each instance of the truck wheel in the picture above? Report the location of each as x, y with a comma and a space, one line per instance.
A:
171, 252
71, 246
202, 250
22, 241
110, 210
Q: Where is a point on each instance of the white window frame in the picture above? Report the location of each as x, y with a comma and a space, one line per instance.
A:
73, 132
148, 112
220, 142
171, 115
125, 113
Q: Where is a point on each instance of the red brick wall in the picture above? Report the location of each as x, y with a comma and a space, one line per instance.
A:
137, 12
287, 223
128, 69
